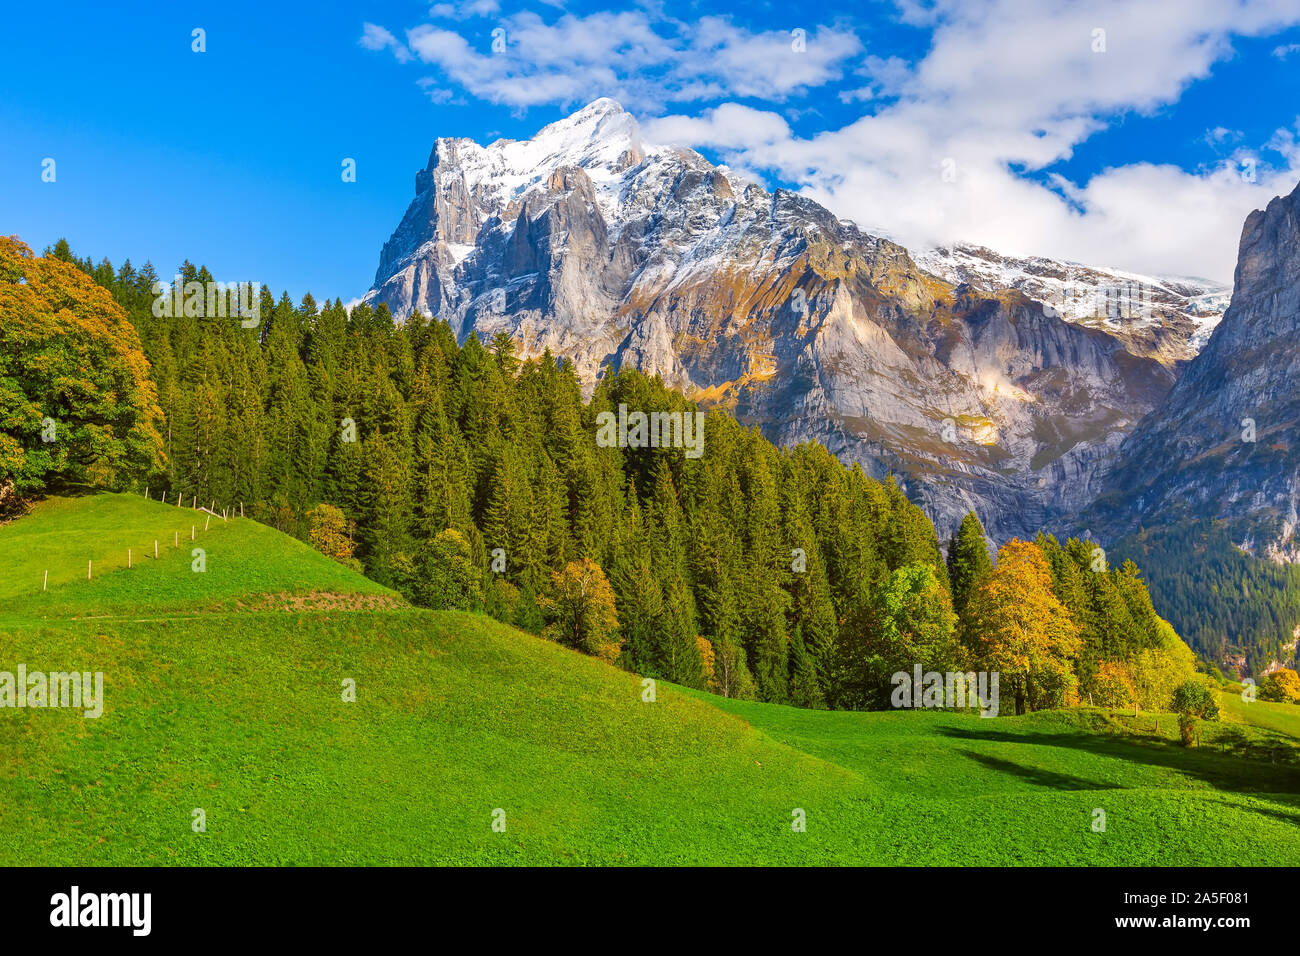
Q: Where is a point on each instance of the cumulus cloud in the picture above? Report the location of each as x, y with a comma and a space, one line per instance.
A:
645, 60
1007, 89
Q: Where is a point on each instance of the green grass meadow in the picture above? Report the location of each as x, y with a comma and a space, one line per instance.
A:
223, 699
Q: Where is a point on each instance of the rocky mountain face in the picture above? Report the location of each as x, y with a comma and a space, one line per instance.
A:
1224, 443
1169, 318
586, 241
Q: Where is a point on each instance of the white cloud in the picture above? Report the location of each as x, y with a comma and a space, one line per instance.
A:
1283, 52
464, 10
644, 60
1221, 135
1013, 86
377, 38
739, 127
440, 96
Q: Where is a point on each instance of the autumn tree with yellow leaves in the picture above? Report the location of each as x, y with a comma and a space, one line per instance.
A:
1022, 631
1114, 685
1282, 685
333, 534
580, 610
78, 408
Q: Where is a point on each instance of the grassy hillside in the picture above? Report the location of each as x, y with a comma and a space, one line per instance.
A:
243, 559
222, 699
1282, 719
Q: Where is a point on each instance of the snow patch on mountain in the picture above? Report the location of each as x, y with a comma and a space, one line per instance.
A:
1116, 300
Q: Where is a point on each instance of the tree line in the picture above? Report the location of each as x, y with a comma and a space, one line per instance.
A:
466, 478
1225, 601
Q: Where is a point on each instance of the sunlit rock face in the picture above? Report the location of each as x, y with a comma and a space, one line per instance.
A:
609, 251
1225, 442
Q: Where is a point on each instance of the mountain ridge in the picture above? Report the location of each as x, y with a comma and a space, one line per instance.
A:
588, 242
1220, 445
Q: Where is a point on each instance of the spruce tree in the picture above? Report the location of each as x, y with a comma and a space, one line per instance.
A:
968, 561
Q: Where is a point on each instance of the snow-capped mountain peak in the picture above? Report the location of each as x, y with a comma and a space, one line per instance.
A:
602, 139
611, 252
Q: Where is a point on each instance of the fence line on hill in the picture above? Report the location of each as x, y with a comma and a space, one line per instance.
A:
226, 513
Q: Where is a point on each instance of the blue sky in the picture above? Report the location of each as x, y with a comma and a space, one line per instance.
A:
1144, 154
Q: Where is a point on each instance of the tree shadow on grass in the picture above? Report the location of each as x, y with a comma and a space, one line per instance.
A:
1227, 772
1263, 744
1291, 815
1037, 775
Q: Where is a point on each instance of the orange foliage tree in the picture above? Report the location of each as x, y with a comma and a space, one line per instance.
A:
1113, 684
1021, 630
77, 405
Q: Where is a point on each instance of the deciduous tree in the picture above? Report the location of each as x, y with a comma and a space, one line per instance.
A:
332, 534
77, 405
1023, 631
580, 610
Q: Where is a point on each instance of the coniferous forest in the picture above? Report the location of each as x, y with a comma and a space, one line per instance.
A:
1225, 602
466, 478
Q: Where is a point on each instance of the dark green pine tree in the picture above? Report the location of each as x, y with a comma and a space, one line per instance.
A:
1137, 599
676, 654
717, 553
805, 683
506, 516
389, 549
766, 602
910, 537
969, 563
502, 348
812, 612
638, 596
